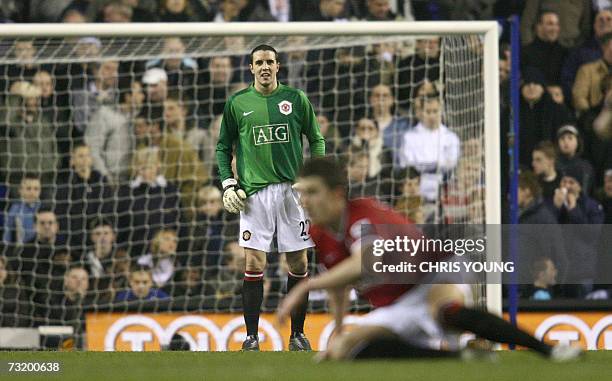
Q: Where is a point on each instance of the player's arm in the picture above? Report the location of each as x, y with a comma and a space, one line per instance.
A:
343, 274
310, 128
338, 303
233, 196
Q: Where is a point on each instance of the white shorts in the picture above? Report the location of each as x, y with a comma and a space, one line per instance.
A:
410, 319
275, 209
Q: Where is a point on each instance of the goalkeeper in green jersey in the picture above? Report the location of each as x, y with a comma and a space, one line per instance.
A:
264, 124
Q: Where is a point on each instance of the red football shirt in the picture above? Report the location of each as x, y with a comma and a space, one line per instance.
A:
333, 248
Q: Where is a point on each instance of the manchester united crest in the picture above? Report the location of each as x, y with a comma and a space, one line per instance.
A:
285, 107
246, 235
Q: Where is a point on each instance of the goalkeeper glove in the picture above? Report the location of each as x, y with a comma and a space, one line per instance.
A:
233, 196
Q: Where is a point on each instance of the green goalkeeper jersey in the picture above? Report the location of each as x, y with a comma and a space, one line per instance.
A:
267, 133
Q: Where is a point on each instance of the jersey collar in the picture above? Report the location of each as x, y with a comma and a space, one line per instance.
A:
278, 87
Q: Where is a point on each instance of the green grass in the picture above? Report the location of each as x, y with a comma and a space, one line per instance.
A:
287, 366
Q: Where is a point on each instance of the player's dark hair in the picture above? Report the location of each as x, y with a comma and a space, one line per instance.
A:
329, 169
264, 47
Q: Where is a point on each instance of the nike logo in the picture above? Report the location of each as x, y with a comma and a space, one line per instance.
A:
247, 113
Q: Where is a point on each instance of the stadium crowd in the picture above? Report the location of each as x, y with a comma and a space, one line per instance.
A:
110, 194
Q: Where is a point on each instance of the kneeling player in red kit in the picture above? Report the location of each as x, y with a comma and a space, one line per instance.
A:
408, 320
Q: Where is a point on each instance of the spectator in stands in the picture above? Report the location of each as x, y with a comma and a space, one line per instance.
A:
101, 260
54, 104
574, 18
176, 123
392, 128
540, 117
545, 52
544, 278
15, 306
573, 206
176, 11
295, 64
67, 307
328, 10
254, 10
214, 88
146, 204
588, 90
381, 61
179, 162
141, 287
109, 134
155, 81
605, 196
83, 194
359, 183
431, 148
571, 146
242, 10
333, 143
23, 69
162, 257
410, 200
588, 52
543, 162
19, 220
412, 71
102, 90
46, 10
380, 10
281, 10
73, 16
29, 143
556, 93
229, 281
117, 11
43, 257
207, 230
367, 137
189, 285
537, 241
181, 71
56, 107
602, 125
531, 205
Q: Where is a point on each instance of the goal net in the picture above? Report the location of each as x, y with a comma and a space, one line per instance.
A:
107, 154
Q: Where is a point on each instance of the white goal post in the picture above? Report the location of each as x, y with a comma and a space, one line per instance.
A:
490, 82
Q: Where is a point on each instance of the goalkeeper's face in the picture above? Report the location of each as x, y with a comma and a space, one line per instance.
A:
264, 68
323, 204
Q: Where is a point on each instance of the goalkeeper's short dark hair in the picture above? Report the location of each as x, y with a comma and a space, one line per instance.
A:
264, 47
331, 170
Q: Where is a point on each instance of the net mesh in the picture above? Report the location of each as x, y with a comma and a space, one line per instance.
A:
86, 125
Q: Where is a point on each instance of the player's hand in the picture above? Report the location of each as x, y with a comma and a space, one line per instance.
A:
292, 300
233, 196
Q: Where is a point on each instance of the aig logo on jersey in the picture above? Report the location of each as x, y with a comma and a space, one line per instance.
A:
285, 107
271, 133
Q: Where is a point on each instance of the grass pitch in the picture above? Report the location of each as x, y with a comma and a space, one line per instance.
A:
287, 366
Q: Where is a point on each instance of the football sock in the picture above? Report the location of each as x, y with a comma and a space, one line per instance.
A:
252, 297
490, 327
395, 348
298, 315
